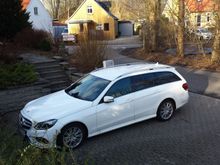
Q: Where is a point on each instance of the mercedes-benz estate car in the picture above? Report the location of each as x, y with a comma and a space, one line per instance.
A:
104, 100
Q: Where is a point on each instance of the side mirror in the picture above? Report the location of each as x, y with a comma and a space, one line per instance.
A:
108, 99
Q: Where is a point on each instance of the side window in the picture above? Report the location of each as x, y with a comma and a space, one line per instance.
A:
35, 11
89, 9
106, 26
141, 82
120, 88
165, 77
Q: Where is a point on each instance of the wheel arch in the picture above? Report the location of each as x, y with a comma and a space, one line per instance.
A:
168, 99
58, 142
78, 123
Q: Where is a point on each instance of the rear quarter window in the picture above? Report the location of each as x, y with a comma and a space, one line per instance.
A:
165, 77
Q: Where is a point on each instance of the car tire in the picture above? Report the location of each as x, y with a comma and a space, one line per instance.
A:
72, 136
165, 110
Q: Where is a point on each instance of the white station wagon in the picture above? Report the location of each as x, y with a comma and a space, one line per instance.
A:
104, 100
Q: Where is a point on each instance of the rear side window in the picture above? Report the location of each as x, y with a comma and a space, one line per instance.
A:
141, 82
120, 88
165, 77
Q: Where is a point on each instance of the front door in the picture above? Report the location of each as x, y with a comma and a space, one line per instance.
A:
120, 111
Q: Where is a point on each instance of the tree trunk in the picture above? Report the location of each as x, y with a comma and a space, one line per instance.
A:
57, 7
216, 45
180, 28
158, 23
145, 35
153, 26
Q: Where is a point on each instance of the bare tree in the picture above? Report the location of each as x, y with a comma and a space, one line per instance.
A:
53, 7
216, 44
181, 28
61, 9
68, 7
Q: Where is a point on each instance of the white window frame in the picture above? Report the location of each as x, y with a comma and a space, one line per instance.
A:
89, 9
99, 26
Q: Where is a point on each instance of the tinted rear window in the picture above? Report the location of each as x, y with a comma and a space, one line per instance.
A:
165, 77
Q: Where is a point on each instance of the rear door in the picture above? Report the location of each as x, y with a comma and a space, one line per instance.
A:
146, 95
151, 89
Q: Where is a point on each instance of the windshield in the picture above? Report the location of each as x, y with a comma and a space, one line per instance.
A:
204, 30
88, 88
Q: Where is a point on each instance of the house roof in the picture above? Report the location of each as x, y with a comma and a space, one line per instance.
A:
103, 5
201, 6
25, 4
55, 23
80, 21
106, 5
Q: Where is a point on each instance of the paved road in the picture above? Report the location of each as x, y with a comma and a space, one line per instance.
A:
191, 137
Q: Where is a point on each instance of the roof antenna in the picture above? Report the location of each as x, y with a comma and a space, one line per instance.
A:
157, 63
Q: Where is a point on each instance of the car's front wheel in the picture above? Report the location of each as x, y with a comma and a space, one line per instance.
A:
165, 110
72, 136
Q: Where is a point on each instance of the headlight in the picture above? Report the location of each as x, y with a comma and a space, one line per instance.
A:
45, 125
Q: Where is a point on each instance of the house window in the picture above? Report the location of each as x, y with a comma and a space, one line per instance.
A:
81, 28
106, 26
199, 20
89, 10
99, 27
208, 17
35, 11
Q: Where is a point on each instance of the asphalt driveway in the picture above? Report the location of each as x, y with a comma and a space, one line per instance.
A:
191, 137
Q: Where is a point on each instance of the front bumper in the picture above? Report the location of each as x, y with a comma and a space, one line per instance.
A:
40, 138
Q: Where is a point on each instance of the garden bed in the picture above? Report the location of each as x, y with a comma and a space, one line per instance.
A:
190, 61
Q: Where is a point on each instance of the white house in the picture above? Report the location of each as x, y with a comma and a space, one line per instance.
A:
39, 16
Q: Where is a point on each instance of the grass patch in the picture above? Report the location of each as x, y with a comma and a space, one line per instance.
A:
16, 74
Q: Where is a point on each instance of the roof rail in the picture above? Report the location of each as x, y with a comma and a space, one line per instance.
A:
118, 65
145, 69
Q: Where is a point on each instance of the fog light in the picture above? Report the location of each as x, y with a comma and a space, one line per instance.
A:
42, 140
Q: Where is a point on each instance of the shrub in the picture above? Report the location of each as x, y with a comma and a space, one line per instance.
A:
8, 54
45, 45
90, 54
14, 150
16, 74
36, 39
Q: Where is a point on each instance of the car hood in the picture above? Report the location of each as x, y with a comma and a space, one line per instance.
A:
54, 106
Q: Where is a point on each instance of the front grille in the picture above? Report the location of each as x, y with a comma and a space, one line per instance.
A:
24, 122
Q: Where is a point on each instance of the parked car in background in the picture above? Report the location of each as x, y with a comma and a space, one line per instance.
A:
68, 37
104, 100
203, 34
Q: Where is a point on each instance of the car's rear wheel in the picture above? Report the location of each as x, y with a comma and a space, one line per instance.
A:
72, 136
165, 110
